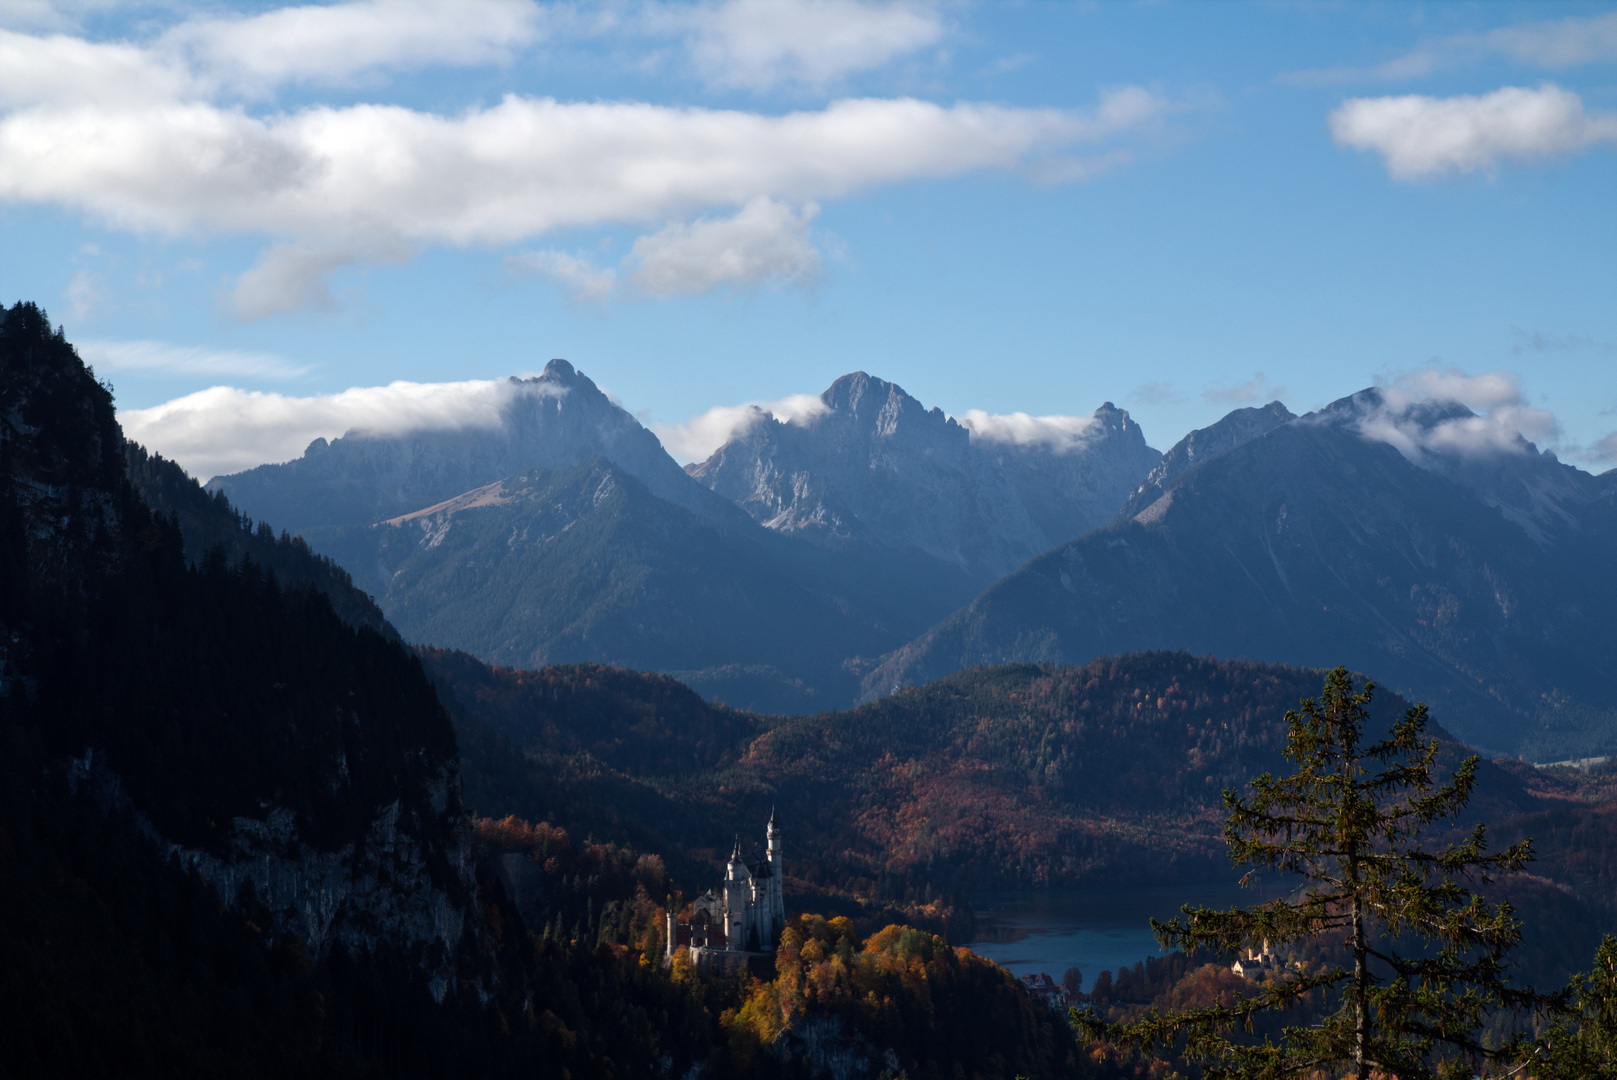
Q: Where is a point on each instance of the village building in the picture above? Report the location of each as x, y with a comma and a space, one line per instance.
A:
745, 918
1261, 964
1045, 989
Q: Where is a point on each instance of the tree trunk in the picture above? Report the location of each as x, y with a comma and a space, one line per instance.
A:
1361, 977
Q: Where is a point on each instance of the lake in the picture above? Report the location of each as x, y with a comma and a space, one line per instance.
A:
1093, 929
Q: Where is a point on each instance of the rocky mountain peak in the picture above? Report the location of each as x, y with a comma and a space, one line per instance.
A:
875, 408
879, 465
1488, 455
560, 370
554, 420
1236, 428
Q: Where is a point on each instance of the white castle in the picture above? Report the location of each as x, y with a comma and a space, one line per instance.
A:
747, 919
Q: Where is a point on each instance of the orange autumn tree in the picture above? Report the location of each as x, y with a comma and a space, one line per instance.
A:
906, 990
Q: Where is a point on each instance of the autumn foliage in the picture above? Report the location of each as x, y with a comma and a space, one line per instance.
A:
937, 1008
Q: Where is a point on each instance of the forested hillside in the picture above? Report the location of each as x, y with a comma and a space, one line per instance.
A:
1100, 775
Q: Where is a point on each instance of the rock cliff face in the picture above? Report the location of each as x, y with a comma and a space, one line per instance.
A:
1478, 576
304, 768
1201, 446
380, 891
875, 465
556, 420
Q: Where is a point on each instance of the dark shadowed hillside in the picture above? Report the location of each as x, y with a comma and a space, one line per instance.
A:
232, 836
1020, 775
209, 521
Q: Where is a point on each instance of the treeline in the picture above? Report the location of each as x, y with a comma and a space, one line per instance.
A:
208, 522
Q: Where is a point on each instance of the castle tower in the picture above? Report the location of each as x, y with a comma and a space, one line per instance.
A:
775, 909
736, 880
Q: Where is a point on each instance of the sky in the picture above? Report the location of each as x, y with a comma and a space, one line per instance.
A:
261, 224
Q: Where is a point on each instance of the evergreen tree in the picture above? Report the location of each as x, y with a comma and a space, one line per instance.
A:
1422, 963
1582, 1043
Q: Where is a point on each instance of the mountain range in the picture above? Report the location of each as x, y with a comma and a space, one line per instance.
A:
871, 543
1483, 581
852, 540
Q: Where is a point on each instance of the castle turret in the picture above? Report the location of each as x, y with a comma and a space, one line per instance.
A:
736, 881
776, 899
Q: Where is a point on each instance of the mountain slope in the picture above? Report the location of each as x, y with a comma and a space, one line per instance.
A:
186, 696
1482, 584
209, 521
876, 466
1201, 446
555, 420
586, 564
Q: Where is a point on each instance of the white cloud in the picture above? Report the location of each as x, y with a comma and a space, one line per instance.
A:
141, 137
206, 56
697, 438
1605, 450
163, 358
48, 14
61, 70
1061, 434
83, 294
339, 42
1257, 390
765, 242
224, 429
758, 44
1567, 42
1421, 136
494, 175
1561, 43
1411, 417
585, 281
337, 183
287, 277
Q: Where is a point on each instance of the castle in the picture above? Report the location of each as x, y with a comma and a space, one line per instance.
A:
721, 931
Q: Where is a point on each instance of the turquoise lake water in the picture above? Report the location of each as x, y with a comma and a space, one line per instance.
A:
1092, 929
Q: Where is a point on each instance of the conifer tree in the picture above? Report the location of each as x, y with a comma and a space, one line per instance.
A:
1421, 963
1582, 1042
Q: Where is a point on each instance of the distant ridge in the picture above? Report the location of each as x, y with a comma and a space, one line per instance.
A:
1483, 582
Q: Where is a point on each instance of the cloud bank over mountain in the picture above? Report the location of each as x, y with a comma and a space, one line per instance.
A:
1495, 417
224, 429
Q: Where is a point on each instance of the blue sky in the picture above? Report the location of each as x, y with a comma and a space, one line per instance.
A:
1180, 208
